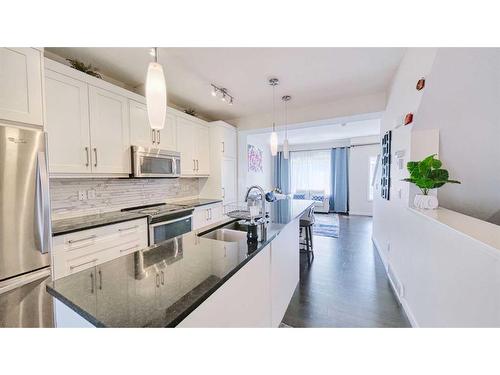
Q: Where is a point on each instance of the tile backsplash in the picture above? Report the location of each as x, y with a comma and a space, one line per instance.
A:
113, 194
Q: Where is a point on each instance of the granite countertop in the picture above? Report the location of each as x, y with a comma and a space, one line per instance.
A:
161, 285
197, 202
75, 224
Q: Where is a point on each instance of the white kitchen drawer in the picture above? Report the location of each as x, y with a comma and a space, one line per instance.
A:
207, 215
77, 251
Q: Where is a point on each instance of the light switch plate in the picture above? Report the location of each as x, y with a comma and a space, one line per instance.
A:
91, 194
82, 195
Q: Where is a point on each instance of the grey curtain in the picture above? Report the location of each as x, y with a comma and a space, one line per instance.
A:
282, 173
340, 185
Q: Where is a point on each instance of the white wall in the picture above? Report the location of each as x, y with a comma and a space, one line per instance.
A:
447, 277
247, 178
359, 178
462, 100
320, 111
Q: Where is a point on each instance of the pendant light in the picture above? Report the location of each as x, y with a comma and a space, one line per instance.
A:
156, 94
286, 151
274, 136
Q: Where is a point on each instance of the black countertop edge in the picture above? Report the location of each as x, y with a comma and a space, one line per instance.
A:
207, 294
201, 299
83, 226
91, 319
199, 204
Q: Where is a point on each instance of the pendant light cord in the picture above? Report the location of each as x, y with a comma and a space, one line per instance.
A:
274, 108
286, 119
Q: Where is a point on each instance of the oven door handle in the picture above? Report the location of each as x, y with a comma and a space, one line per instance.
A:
170, 221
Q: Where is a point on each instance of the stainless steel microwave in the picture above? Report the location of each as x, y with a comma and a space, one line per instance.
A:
154, 162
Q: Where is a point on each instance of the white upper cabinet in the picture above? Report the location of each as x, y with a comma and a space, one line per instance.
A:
222, 183
141, 133
166, 138
110, 134
67, 108
228, 180
21, 85
193, 142
203, 150
228, 142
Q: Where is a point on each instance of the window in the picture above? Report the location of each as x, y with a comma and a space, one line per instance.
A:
310, 171
371, 170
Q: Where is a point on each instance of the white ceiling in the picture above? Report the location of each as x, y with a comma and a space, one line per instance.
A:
328, 133
310, 75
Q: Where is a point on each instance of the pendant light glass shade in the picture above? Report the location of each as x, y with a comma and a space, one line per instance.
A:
274, 136
286, 151
274, 143
156, 95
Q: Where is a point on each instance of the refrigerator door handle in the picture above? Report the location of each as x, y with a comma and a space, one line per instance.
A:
42, 205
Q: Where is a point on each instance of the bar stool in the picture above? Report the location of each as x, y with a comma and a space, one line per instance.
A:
306, 223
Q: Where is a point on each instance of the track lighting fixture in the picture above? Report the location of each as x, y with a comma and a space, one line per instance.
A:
223, 94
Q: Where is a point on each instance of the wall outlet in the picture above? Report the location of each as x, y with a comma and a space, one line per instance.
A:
82, 195
91, 194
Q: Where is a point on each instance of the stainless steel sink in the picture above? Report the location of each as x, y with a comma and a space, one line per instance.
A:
237, 225
226, 235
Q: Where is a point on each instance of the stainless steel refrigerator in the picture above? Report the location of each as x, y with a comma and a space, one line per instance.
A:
25, 229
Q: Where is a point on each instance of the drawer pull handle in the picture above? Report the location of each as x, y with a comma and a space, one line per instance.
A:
82, 264
129, 228
130, 248
162, 278
82, 239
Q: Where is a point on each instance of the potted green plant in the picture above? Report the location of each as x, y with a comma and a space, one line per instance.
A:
427, 174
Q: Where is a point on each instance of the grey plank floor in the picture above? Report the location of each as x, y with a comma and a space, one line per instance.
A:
345, 285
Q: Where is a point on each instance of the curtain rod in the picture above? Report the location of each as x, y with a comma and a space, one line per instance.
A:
328, 149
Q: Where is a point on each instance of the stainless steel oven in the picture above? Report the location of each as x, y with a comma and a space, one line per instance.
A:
164, 228
153, 162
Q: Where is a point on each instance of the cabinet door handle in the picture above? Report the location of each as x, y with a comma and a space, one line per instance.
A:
158, 132
197, 165
223, 147
194, 165
129, 228
128, 249
88, 156
92, 282
157, 280
162, 278
82, 239
95, 154
153, 136
82, 264
223, 193
100, 280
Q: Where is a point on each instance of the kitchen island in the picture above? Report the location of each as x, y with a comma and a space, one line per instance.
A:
191, 280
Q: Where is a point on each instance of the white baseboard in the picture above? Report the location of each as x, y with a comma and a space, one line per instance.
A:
354, 213
402, 301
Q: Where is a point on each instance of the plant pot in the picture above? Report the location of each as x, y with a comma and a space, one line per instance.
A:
426, 202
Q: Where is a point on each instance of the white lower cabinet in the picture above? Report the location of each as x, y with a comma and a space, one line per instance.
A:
284, 270
259, 293
81, 250
243, 301
207, 215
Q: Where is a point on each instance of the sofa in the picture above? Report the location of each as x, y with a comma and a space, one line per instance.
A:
320, 198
